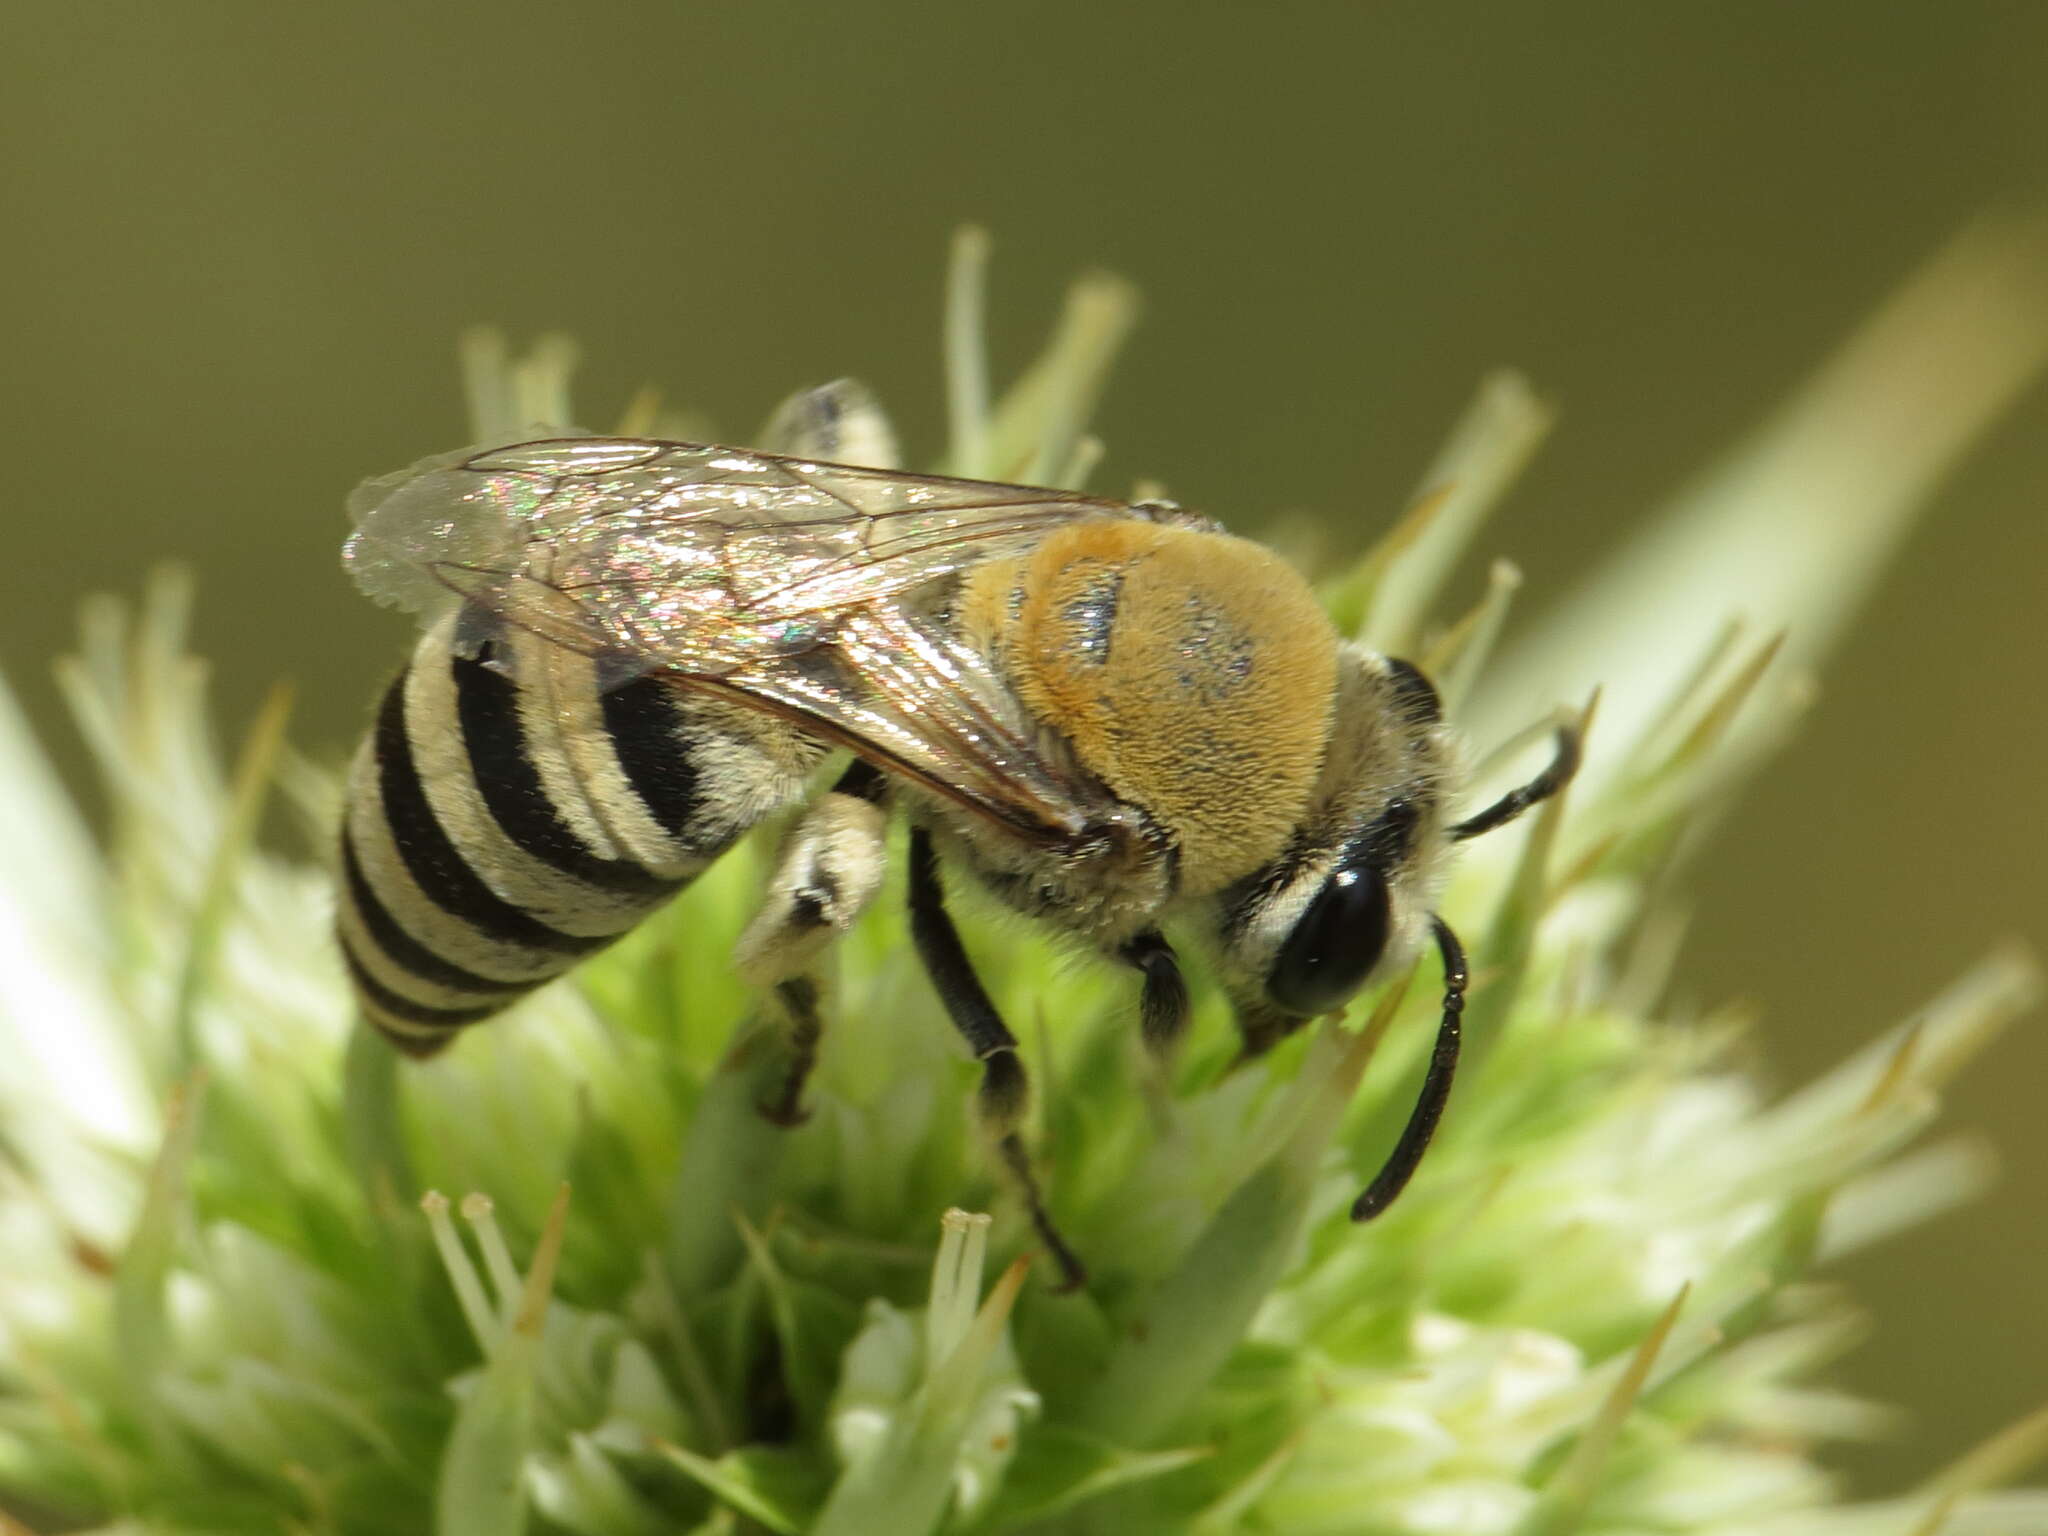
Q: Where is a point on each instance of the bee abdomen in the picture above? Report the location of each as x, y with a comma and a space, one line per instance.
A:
497, 831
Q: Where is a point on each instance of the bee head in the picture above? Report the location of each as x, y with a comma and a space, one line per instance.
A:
1352, 891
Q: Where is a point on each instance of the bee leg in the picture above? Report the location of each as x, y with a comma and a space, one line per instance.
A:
799, 999
1163, 1006
829, 870
1260, 1027
1004, 1087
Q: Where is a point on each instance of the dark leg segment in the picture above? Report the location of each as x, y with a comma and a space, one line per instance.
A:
966, 1000
1004, 1087
1436, 1085
1163, 1006
864, 781
1261, 1026
1073, 1273
799, 999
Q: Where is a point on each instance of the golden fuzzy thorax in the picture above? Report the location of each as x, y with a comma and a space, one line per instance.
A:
1193, 673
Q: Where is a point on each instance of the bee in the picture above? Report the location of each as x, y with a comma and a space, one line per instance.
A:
1116, 718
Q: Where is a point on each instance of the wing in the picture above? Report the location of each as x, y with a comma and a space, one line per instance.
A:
803, 587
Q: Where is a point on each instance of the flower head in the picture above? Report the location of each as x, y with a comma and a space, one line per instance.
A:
224, 1307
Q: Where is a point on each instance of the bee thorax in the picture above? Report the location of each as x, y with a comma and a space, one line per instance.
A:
1191, 673
1106, 886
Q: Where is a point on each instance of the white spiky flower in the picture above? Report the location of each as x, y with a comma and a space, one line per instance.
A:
222, 1308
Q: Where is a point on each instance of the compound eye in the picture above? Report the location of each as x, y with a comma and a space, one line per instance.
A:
1336, 942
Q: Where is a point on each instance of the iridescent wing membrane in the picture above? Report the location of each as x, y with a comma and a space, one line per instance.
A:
804, 588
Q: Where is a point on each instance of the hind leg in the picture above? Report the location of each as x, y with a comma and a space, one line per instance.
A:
829, 870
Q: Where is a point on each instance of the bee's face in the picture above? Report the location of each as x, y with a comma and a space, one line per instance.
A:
1353, 889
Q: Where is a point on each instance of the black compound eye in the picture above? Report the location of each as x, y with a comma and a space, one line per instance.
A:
1336, 942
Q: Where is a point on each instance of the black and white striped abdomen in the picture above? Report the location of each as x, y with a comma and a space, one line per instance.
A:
499, 831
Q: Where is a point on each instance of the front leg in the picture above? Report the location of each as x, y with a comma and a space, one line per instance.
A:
829, 870
1163, 1005
1260, 1027
1004, 1086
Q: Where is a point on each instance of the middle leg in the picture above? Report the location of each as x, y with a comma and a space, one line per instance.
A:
1005, 1089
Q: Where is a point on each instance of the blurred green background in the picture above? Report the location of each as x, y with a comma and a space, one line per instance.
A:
240, 240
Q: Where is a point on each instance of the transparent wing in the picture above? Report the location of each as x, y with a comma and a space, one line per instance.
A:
799, 585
